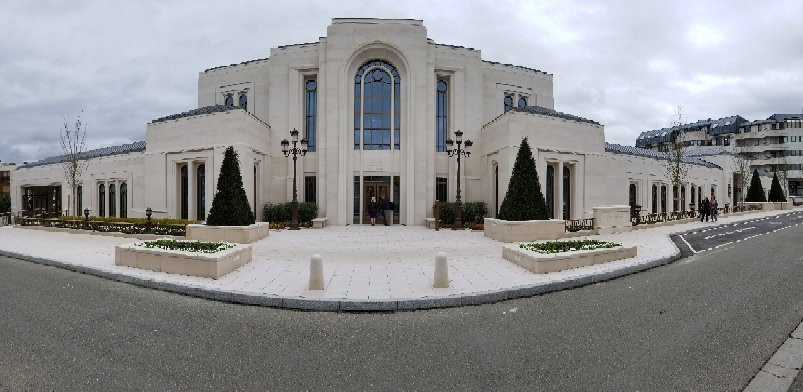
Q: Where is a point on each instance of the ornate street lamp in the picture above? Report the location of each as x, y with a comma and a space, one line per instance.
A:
148, 213
462, 149
295, 151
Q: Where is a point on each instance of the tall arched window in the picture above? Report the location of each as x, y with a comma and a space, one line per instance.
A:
229, 102
243, 101
441, 116
123, 200
200, 195
522, 102
112, 202
101, 200
508, 102
311, 113
377, 103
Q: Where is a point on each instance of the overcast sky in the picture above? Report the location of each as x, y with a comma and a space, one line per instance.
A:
626, 64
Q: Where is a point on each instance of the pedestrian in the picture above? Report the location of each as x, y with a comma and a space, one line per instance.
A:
383, 207
714, 208
705, 210
372, 207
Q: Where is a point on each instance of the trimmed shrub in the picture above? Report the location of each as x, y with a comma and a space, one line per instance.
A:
230, 206
524, 200
755, 193
776, 192
281, 212
473, 212
139, 221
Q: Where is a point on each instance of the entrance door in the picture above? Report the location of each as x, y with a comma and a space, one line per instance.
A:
378, 190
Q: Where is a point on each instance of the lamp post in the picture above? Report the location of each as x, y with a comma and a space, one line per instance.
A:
148, 213
295, 152
461, 149
86, 218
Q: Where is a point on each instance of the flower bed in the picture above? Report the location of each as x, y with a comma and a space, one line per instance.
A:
187, 246
111, 225
567, 246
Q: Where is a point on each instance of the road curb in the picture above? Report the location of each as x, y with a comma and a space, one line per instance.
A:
311, 304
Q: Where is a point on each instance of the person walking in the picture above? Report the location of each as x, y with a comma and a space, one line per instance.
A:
714, 208
372, 207
383, 207
706, 209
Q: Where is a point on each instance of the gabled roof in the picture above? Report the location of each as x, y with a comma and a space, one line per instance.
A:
552, 113
96, 153
647, 153
719, 126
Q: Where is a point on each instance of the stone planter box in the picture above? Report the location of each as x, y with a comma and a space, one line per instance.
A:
523, 231
541, 263
206, 265
237, 234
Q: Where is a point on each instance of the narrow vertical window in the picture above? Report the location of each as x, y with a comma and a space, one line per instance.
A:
101, 200
200, 192
311, 114
508, 102
441, 116
123, 200
112, 201
184, 185
244, 101
309, 189
229, 101
80, 199
440, 189
522, 102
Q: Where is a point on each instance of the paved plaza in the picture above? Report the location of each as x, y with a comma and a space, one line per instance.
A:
361, 263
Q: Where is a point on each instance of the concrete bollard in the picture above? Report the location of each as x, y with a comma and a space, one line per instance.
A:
316, 273
441, 271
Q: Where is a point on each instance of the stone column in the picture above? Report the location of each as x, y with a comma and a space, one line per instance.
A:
558, 184
191, 190
117, 196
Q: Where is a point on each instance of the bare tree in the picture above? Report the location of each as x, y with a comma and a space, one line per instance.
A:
677, 166
741, 167
72, 137
783, 175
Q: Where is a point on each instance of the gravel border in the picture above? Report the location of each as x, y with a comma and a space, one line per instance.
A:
344, 305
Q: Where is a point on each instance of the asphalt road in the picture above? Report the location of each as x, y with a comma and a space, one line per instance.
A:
719, 235
706, 323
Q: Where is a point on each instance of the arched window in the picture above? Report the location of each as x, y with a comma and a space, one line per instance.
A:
508, 102
200, 194
311, 113
123, 200
185, 194
522, 102
101, 200
243, 101
112, 201
229, 102
441, 116
377, 103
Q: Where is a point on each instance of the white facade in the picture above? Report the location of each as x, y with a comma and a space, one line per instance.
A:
392, 143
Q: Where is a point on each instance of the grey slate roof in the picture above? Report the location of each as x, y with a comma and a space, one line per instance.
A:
553, 113
719, 126
706, 151
195, 112
97, 153
647, 153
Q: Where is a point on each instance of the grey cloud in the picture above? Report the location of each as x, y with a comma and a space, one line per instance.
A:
626, 64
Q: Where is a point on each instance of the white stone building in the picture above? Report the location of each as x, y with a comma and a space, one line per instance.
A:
377, 100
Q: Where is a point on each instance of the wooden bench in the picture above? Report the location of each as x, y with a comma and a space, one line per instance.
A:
319, 223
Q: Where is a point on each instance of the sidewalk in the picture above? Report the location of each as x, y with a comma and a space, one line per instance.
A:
365, 267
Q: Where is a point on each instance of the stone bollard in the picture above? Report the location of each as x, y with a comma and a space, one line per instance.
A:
316, 273
441, 271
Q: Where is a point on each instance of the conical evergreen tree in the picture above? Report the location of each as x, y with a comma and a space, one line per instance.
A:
776, 192
755, 193
230, 206
524, 200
